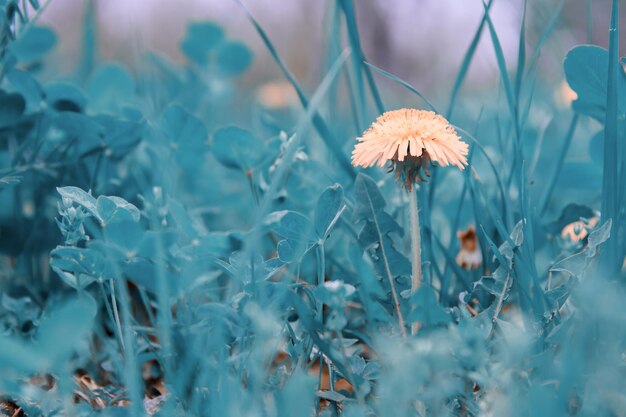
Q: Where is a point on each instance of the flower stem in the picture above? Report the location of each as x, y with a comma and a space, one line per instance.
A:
416, 249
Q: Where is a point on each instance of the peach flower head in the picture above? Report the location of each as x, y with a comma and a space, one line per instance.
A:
410, 139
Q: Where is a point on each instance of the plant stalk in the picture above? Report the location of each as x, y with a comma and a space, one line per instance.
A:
416, 249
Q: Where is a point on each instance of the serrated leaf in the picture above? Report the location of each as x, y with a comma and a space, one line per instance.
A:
427, 310
490, 284
374, 237
574, 264
557, 296
577, 264
598, 236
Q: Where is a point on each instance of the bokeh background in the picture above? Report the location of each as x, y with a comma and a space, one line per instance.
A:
421, 41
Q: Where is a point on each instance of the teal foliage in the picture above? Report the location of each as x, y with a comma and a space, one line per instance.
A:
376, 236
33, 44
586, 68
205, 45
237, 148
171, 247
201, 38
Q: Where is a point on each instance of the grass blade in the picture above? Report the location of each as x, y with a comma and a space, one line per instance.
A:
467, 60
359, 56
304, 121
545, 34
610, 180
404, 84
543, 202
589, 21
318, 122
508, 89
521, 55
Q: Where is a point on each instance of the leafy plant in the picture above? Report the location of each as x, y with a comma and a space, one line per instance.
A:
168, 247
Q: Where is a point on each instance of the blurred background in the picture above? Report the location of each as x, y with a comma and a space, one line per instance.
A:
421, 41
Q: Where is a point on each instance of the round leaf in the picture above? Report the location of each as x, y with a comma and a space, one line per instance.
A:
12, 107
186, 133
109, 86
327, 210
115, 209
233, 58
65, 97
237, 148
200, 39
292, 225
34, 44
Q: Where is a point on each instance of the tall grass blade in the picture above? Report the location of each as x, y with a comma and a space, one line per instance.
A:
610, 180
359, 57
545, 198
467, 60
318, 122
90, 41
589, 8
508, 88
521, 55
404, 84
303, 123
545, 34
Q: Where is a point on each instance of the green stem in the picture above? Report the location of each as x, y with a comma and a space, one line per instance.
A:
416, 249
331, 375
116, 315
133, 379
112, 316
321, 271
253, 189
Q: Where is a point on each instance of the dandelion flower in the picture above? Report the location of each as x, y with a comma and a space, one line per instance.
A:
410, 139
276, 95
469, 256
578, 230
564, 95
